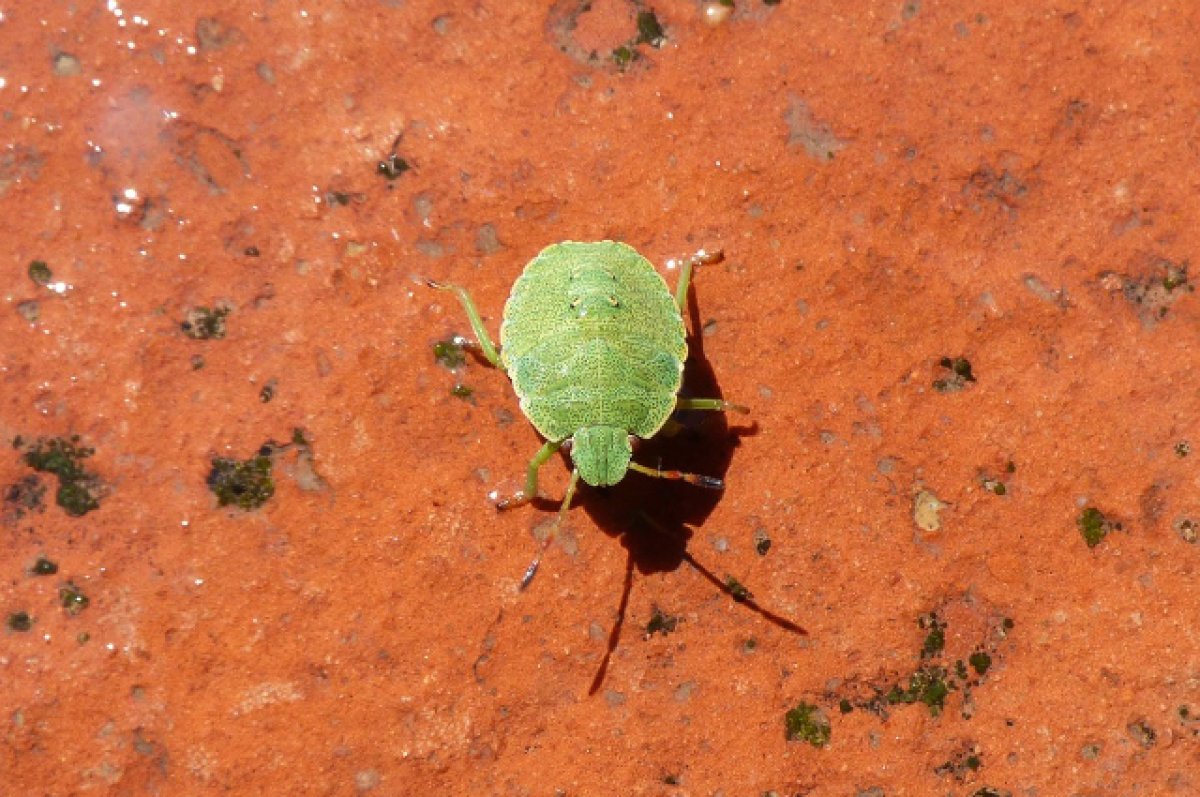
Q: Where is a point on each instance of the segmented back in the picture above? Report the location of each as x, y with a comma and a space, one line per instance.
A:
592, 337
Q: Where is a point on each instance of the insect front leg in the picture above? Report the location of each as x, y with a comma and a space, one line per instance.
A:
531, 477
481, 334
701, 258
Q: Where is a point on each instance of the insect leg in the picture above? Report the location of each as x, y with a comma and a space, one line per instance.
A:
720, 405
531, 571
531, 477
485, 341
711, 482
701, 258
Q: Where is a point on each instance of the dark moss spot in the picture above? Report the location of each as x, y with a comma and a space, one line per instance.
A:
963, 762
204, 323
251, 251
1176, 276
927, 685
267, 393
72, 599
43, 567
449, 353
737, 590
19, 621
980, 662
650, 31
660, 623
771, 2
392, 166
623, 56
462, 391
993, 486
988, 791
246, 484
750, 645
1094, 526
845, 706
960, 670
1183, 448
76, 498
935, 640
40, 273
807, 723
78, 489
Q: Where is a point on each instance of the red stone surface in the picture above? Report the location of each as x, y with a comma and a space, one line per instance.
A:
893, 184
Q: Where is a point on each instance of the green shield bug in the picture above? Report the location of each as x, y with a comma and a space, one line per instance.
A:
595, 344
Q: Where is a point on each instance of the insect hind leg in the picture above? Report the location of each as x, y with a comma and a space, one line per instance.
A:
531, 571
711, 482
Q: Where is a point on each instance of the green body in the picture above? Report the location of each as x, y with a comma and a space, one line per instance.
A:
594, 344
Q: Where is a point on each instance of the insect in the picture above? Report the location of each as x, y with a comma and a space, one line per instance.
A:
594, 344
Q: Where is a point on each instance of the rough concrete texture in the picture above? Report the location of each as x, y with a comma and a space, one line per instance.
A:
956, 297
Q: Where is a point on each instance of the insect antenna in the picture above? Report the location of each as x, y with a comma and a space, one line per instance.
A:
711, 482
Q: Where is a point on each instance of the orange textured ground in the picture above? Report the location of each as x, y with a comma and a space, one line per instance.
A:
956, 296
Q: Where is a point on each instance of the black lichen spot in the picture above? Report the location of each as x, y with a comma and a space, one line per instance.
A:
762, 542
40, 273
72, 599
1141, 732
660, 623
344, 198
79, 490
988, 791
392, 166
245, 484
1153, 294
27, 494
959, 375
449, 353
251, 251
961, 764
204, 323
43, 567
19, 621
1183, 448
267, 393
1094, 526
807, 723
